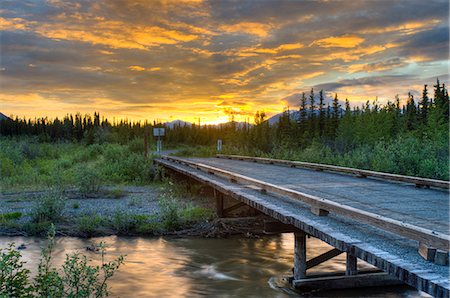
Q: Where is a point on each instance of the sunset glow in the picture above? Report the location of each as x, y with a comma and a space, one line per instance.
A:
210, 60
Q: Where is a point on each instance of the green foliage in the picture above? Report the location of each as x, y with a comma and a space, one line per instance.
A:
116, 193
192, 214
48, 208
10, 216
13, 276
88, 180
89, 224
124, 222
78, 279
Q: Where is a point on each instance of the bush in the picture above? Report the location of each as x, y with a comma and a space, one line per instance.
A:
136, 146
169, 214
77, 279
13, 277
89, 224
48, 208
88, 180
123, 222
194, 214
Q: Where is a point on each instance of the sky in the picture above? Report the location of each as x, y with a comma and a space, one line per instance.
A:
213, 60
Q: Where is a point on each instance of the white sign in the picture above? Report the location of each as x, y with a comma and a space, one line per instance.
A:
158, 132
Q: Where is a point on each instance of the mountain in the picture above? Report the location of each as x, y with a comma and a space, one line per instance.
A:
3, 116
175, 123
295, 115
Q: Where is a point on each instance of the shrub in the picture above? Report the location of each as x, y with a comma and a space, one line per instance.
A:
169, 214
116, 193
77, 279
89, 224
123, 222
88, 180
13, 277
194, 214
48, 208
136, 146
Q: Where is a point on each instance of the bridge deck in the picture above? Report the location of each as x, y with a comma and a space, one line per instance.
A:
390, 252
427, 208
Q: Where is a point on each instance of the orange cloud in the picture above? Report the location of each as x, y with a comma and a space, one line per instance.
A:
113, 34
136, 68
344, 41
13, 24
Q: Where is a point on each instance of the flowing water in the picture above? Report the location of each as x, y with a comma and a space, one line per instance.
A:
193, 267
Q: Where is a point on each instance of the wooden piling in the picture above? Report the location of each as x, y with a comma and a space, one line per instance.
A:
219, 203
299, 255
351, 265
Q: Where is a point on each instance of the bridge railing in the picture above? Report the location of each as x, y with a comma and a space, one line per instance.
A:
424, 236
419, 181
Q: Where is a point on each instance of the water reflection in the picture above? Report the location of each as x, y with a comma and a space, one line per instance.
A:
165, 267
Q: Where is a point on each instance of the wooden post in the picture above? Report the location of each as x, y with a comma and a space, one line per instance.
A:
351, 265
219, 203
299, 255
145, 143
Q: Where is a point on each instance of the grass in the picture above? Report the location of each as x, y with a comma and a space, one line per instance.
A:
10, 216
89, 224
55, 168
26, 164
116, 193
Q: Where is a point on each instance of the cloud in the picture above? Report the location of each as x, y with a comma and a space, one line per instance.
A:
344, 41
186, 59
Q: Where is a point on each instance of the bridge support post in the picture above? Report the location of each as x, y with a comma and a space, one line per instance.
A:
299, 255
351, 265
219, 203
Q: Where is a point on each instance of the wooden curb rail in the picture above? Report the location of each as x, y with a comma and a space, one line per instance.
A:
422, 235
419, 181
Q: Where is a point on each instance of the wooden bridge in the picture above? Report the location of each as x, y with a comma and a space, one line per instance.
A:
399, 224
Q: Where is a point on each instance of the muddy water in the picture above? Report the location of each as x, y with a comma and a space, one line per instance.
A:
234, 267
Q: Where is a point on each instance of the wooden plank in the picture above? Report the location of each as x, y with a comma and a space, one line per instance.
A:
426, 236
323, 258
346, 282
277, 227
358, 172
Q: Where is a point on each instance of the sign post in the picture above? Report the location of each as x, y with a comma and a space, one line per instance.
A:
219, 145
158, 132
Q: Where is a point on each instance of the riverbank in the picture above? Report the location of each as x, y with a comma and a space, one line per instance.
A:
160, 208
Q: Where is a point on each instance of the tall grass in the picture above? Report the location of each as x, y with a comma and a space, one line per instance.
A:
26, 163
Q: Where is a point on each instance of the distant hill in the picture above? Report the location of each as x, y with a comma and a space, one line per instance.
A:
175, 123
295, 115
3, 116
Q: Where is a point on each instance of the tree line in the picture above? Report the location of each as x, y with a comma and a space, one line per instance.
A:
336, 126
